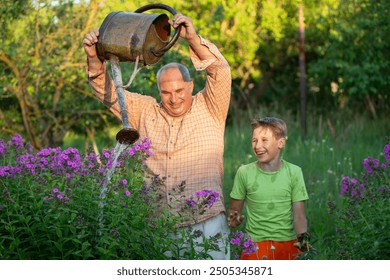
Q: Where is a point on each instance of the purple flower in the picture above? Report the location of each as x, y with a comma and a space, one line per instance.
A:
124, 182
127, 193
386, 152
235, 241
59, 196
249, 246
17, 140
190, 202
55, 190
237, 237
106, 153
131, 152
371, 165
209, 197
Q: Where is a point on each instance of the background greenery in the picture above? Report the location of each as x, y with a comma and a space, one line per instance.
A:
45, 96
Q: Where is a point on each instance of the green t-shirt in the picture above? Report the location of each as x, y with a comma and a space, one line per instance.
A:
268, 199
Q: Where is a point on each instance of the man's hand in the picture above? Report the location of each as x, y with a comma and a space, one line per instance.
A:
187, 31
89, 43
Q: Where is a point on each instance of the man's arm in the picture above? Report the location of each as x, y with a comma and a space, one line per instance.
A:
101, 82
189, 34
94, 64
206, 56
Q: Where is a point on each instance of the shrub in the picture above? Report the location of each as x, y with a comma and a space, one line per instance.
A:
363, 217
59, 204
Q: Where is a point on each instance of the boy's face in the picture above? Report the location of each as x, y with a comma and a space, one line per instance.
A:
265, 146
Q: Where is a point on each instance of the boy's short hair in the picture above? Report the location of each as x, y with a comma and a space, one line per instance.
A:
277, 126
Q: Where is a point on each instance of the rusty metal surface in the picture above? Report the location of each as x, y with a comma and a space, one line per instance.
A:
127, 35
127, 136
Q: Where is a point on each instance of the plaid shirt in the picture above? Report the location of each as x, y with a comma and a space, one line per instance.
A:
185, 149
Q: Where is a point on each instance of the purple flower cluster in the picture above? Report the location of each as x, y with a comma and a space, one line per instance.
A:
351, 188
64, 165
247, 245
373, 181
237, 237
204, 199
372, 166
57, 196
208, 197
386, 153
144, 146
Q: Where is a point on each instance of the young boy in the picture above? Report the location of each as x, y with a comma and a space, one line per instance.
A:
274, 192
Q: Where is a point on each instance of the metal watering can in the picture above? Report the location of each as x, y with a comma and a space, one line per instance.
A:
127, 35
134, 37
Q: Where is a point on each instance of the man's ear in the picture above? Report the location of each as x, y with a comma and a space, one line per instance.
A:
191, 86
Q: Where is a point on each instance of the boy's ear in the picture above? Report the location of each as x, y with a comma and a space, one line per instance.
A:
281, 142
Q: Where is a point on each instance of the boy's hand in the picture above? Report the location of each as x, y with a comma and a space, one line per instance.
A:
303, 243
234, 218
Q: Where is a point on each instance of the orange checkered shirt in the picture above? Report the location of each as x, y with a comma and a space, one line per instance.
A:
185, 149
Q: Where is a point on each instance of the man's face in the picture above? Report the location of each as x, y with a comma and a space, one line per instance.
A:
176, 94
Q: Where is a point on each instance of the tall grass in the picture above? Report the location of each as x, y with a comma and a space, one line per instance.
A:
335, 146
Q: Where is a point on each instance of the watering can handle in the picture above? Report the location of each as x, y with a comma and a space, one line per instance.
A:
175, 36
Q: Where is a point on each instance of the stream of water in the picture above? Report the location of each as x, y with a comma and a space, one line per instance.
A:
119, 148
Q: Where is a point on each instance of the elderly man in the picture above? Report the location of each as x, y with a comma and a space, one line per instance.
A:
186, 131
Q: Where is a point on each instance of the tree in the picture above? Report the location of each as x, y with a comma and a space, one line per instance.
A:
42, 72
355, 64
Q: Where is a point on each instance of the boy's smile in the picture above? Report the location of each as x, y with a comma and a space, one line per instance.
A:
266, 147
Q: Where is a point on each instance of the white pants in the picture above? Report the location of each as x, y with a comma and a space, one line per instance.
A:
210, 228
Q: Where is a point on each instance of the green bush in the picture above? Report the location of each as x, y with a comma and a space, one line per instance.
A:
58, 204
362, 223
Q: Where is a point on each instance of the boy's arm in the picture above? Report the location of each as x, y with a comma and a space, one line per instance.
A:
235, 217
300, 222
300, 226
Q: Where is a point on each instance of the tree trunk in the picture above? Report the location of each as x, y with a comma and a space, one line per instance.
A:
302, 71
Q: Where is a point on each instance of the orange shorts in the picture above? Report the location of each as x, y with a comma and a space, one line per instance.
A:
273, 250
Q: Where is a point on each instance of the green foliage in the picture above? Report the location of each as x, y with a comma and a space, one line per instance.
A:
354, 62
335, 144
363, 217
41, 72
58, 204
45, 93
